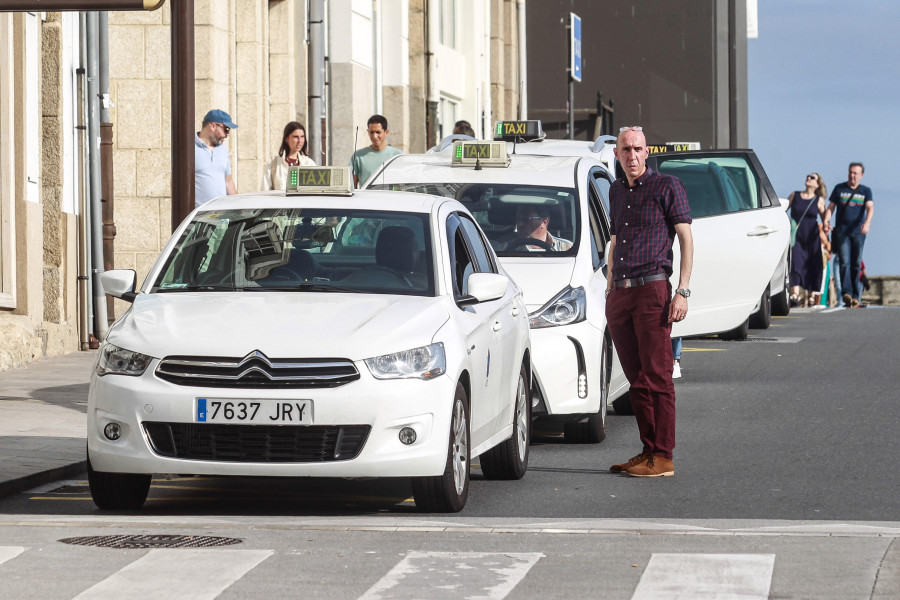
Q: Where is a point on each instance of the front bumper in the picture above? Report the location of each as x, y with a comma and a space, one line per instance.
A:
383, 406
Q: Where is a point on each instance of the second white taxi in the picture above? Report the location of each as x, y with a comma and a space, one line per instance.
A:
335, 334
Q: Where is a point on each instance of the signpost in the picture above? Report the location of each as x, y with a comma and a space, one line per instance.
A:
574, 66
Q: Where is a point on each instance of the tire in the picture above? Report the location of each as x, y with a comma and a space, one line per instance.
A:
781, 303
448, 492
738, 333
591, 429
762, 318
117, 491
622, 405
509, 459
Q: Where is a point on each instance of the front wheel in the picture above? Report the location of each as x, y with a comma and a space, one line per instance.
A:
448, 492
509, 459
117, 491
738, 333
762, 318
781, 302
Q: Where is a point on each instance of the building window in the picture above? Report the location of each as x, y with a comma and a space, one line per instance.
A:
448, 23
447, 111
7, 173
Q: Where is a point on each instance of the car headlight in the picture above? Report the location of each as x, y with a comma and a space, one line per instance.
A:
426, 362
565, 308
119, 361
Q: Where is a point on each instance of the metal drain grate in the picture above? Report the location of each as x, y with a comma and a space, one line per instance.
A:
71, 489
768, 340
151, 541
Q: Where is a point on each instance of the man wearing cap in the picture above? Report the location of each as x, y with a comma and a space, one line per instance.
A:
212, 164
647, 210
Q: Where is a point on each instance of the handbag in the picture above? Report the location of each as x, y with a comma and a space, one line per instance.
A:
796, 224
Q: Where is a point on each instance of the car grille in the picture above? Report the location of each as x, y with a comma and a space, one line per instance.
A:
256, 371
257, 443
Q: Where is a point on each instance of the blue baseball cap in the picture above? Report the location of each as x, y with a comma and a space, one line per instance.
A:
220, 116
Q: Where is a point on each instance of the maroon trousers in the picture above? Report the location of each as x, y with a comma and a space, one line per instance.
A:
638, 322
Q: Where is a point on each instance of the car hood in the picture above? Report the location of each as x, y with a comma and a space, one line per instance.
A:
280, 325
539, 279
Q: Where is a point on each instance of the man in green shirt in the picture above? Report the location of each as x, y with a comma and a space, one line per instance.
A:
366, 161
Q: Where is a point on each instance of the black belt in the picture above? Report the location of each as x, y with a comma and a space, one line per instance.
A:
627, 283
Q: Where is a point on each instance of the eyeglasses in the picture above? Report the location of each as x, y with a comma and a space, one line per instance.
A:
526, 219
225, 128
631, 128
812, 177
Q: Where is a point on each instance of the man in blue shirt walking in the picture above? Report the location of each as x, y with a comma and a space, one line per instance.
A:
853, 203
212, 164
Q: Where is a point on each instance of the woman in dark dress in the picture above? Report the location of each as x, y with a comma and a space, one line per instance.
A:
806, 208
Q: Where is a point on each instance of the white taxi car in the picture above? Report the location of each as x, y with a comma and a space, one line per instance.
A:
363, 334
576, 370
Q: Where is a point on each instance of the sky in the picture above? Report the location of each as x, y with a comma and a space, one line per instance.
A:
824, 91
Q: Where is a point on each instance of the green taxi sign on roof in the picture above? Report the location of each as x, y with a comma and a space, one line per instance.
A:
518, 131
485, 154
319, 180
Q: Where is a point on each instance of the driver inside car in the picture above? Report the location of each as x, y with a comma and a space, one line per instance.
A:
532, 222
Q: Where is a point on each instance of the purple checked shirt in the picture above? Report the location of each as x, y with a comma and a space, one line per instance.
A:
643, 219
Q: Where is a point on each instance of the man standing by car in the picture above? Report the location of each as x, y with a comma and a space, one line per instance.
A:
366, 161
647, 210
853, 202
212, 164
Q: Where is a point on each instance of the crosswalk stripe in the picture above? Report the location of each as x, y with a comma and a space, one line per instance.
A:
175, 574
8, 552
454, 575
706, 577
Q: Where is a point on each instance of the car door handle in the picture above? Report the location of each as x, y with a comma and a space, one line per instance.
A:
759, 232
498, 326
515, 311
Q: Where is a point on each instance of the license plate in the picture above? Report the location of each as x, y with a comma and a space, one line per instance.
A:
254, 412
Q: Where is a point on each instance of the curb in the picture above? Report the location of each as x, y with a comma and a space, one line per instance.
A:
14, 486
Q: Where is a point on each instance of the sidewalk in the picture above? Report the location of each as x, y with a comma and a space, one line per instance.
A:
43, 420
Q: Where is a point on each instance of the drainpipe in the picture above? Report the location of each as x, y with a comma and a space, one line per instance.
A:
377, 95
95, 212
487, 117
523, 61
316, 80
106, 161
432, 33
85, 300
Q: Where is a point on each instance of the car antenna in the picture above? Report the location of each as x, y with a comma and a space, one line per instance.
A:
477, 164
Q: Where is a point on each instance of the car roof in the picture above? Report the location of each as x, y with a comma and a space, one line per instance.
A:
368, 199
527, 169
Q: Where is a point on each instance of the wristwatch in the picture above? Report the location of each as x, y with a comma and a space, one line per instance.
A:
684, 292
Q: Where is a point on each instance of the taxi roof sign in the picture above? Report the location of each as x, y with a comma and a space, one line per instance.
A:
485, 154
673, 147
518, 131
319, 180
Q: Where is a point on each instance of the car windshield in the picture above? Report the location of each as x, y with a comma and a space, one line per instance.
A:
293, 249
518, 220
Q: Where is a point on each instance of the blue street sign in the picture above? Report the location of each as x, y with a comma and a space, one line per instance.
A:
575, 47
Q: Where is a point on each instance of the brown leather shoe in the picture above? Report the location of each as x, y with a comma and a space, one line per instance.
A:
655, 466
632, 462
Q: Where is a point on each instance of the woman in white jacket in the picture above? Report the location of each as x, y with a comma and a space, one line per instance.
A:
291, 153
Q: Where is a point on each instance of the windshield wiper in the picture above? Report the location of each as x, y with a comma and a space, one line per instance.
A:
196, 288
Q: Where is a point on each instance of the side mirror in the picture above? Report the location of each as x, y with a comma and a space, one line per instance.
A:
484, 287
119, 283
